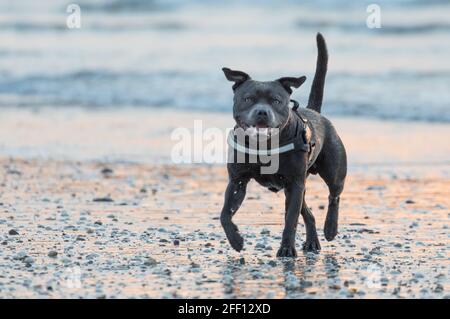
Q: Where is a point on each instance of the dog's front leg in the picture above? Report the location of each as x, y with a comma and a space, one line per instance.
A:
294, 198
234, 197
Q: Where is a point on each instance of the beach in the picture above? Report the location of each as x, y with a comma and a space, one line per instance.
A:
97, 99
105, 227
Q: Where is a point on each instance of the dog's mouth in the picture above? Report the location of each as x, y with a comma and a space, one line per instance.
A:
258, 129
261, 126
257, 126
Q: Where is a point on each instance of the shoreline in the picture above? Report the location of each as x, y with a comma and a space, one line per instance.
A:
143, 136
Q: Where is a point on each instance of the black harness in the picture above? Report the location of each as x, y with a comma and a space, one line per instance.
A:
300, 140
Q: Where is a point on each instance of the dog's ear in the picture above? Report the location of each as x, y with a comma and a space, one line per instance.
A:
238, 77
289, 82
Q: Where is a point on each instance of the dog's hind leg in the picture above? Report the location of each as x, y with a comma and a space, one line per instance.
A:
333, 169
335, 184
234, 196
331, 222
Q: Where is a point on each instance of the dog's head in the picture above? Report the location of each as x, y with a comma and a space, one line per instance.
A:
261, 105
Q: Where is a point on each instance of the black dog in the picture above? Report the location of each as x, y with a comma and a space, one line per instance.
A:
318, 150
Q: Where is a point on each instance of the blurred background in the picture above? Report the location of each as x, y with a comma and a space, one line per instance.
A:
168, 54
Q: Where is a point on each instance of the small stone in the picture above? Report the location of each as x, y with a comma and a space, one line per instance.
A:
410, 201
150, 262
20, 255
13, 232
335, 287
52, 254
414, 224
107, 171
103, 199
376, 188
376, 251
439, 288
176, 242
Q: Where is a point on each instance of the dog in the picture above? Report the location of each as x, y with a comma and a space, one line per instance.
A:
265, 105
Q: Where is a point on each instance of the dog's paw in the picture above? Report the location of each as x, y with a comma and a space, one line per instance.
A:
330, 229
236, 241
312, 245
287, 251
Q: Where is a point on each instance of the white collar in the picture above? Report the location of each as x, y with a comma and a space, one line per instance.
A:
243, 149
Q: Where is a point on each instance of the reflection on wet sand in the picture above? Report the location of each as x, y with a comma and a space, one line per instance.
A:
152, 238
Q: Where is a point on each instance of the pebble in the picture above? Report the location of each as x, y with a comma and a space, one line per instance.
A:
52, 254
107, 171
103, 200
376, 188
439, 288
20, 255
13, 232
150, 261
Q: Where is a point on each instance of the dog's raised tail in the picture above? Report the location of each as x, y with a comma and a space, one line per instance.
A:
316, 94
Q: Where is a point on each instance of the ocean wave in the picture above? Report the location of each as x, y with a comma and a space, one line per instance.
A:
100, 26
127, 6
396, 95
361, 27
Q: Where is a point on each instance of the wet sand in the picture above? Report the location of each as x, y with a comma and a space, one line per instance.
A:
91, 207
121, 230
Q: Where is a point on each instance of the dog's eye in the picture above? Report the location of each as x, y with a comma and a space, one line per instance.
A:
248, 100
276, 102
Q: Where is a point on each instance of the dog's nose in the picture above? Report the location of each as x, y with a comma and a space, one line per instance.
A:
262, 113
